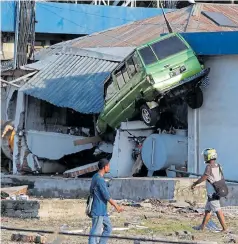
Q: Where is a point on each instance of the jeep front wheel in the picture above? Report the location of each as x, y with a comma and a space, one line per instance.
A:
149, 116
194, 98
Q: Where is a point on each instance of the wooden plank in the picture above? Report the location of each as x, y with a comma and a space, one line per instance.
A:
16, 190
81, 170
87, 140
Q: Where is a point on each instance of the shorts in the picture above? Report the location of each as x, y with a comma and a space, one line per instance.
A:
213, 206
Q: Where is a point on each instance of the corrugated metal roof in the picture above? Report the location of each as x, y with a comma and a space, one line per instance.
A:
72, 81
46, 61
187, 19
106, 53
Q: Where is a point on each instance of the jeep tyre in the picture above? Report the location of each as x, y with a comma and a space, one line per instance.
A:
194, 98
149, 116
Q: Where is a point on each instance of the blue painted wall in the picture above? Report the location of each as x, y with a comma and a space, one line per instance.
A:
7, 16
66, 18
212, 43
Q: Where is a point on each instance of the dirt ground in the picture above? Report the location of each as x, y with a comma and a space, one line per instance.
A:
152, 219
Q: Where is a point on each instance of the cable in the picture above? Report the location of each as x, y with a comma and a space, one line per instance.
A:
99, 236
104, 16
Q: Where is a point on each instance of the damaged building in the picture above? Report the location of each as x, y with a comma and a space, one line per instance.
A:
46, 123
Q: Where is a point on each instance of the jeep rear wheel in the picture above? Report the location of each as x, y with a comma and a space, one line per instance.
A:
194, 98
149, 116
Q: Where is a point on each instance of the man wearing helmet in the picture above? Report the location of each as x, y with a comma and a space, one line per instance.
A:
212, 174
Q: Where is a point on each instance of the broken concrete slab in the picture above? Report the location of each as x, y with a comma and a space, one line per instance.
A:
16, 190
81, 170
54, 145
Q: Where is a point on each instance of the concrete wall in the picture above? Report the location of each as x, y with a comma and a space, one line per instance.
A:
121, 188
215, 124
122, 161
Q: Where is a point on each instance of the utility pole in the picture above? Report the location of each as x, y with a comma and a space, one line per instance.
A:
24, 31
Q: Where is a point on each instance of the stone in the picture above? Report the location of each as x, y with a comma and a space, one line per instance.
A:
146, 205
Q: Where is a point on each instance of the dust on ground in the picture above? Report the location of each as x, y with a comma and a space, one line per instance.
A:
149, 219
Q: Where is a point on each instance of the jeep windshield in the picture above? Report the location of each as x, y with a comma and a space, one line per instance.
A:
162, 49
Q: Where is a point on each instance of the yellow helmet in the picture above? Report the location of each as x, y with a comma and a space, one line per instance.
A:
209, 154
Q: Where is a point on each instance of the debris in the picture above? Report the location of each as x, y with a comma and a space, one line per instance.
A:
233, 239
28, 238
72, 231
4, 195
88, 140
16, 190
137, 165
81, 170
210, 226
126, 202
22, 197
180, 204
146, 205
119, 229
185, 235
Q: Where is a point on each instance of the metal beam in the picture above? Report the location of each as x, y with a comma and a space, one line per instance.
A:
22, 77
7, 82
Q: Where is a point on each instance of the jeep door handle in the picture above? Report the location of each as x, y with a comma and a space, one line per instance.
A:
167, 65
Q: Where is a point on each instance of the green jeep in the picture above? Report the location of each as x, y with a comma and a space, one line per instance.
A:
155, 75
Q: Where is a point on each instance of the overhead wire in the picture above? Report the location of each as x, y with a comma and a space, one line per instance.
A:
84, 26
105, 16
98, 236
94, 14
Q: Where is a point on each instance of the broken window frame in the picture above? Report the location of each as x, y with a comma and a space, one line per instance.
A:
122, 69
110, 81
117, 81
130, 73
47, 109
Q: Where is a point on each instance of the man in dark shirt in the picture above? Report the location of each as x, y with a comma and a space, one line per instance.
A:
101, 196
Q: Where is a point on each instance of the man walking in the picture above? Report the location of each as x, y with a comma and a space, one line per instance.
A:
212, 175
101, 196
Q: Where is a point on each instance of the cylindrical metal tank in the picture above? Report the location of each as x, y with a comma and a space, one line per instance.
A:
160, 151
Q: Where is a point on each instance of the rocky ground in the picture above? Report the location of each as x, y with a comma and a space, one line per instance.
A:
149, 219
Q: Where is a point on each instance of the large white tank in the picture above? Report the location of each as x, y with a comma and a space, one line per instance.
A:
160, 151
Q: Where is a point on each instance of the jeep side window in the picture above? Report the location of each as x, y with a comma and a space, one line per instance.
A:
110, 90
